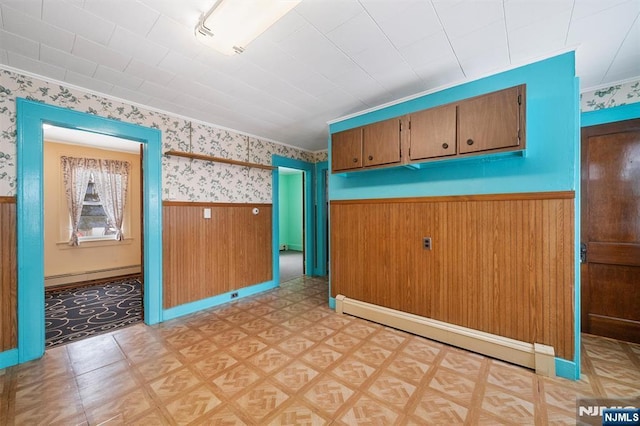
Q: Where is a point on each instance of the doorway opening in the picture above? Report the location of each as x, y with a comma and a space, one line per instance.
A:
95, 286
31, 116
292, 236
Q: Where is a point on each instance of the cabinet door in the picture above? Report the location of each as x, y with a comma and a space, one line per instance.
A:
381, 142
490, 122
346, 150
433, 133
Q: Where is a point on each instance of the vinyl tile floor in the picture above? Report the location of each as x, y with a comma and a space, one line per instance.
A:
284, 358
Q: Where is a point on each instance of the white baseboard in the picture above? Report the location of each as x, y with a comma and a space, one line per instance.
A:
78, 277
536, 356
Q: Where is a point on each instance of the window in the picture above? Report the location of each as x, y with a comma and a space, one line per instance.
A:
94, 223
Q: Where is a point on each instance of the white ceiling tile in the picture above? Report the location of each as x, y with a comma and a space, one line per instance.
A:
428, 49
82, 80
384, 61
185, 12
440, 72
138, 18
616, 22
20, 45
99, 53
67, 60
176, 63
284, 27
117, 78
130, 95
157, 91
130, 44
357, 35
626, 63
29, 7
543, 36
327, 15
404, 21
584, 8
36, 67
522, 13
312, 48
4, 57
468, 16
480, 57
483, 41
148, 72
175, 36
75, 19
26, 25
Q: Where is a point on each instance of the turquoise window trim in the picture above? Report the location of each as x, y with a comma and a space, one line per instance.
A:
321, 218
30, 118
310, 240
189, 308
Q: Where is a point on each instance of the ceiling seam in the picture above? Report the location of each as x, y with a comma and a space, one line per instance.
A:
566, 36
620, 47
506, 32
448, 38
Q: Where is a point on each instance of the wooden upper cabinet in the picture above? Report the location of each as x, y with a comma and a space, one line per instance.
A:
492, 121
433, 133
381, 142
346, 150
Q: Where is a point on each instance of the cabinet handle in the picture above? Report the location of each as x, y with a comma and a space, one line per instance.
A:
445, 145
355, 160
370, 157
469, 141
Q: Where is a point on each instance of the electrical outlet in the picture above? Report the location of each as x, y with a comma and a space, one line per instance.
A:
234, 294
426, 243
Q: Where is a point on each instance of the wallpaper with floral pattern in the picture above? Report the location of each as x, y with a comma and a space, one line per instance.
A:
182, 179
609, 97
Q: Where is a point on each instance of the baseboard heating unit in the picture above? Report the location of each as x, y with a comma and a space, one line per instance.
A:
538, 357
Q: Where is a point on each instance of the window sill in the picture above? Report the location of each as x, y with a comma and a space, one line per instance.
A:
64, 245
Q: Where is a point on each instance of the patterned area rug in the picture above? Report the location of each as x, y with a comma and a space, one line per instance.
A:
78, 313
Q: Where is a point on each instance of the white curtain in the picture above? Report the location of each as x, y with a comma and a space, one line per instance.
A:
111, 180
76, 174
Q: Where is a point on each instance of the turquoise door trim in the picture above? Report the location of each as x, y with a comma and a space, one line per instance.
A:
321, 219
30, 118
610, 115
309, 240
587, 119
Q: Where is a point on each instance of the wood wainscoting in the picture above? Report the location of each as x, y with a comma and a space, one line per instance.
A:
8, 274
501, 264
207, 257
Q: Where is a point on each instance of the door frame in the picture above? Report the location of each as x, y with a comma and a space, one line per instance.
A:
31, 116
589, 119
310, 237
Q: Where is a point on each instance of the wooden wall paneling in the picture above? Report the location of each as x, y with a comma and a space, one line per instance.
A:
504, 266
8, 274
208, 257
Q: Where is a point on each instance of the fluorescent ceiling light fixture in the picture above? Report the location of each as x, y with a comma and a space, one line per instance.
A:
231, 25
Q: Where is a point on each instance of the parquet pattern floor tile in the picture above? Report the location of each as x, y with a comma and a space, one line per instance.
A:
284, 358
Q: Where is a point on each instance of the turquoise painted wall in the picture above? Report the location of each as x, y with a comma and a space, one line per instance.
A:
290, 192
552, 141
551, 161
